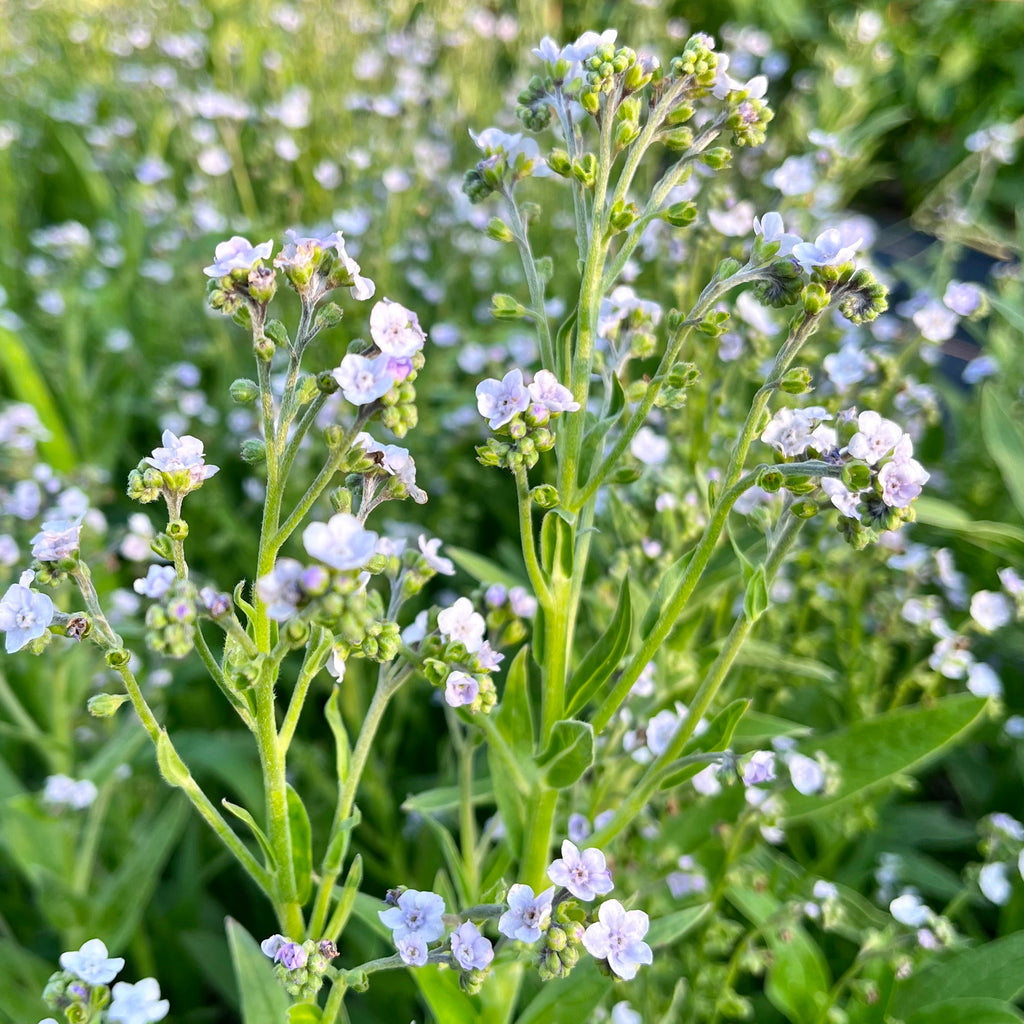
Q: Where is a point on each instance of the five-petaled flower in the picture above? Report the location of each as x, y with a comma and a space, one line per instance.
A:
470, 950
419, 913
585, 874
91, 963
137, 1004
237, 253
25, 615
527, 915
617, 936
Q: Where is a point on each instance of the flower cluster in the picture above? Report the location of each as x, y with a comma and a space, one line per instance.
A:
522, 412
300, 967
879, 476
82, 990
174, 469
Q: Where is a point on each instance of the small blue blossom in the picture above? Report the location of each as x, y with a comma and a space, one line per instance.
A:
25, 615
137, 1004
91, 963
237, 254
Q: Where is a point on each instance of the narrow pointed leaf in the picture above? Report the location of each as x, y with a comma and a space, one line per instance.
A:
603, 658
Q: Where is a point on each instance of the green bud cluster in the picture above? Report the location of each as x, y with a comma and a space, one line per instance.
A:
533, 107
305, 982
472, 981
781, 284
474, 185
145, 484
79, 1001
863, 298
522, 450
398, 407
562, 944
699, 62
748, 122
170, 623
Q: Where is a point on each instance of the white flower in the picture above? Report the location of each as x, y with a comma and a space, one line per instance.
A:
909, 910
62, 791
587, 43
585, 874
499, 400
545, 390
181, 456
848, 366
470, 950
237, 254
280, 590
91, 963
460, 689
522, 155
158, 580
991, 609
527, 915
137, 1004
994, 883
649, 448
1011, 581
417, 913
770, 230
429, 549
661, 729
364, 380
791, 430
395, 461
827, 250
935, 321
841, 496
875, 437
805, 773
982, 680
623, 1013
460, 624
735, 221
25, 615
341, 542
395, 330
706, 781
617, 936
522, 603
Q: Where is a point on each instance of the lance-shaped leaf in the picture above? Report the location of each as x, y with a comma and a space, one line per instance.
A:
603, 658
569, 753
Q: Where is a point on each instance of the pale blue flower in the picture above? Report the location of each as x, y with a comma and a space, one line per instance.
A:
237, 254
25, 615
527, 915
617, 936
91, 963
137, 1004
420, 913
470, 950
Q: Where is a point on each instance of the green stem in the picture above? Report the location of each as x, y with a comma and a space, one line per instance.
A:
467, 818
86, 854
537, 845
704, 696
217, 675
533, 281
533, 568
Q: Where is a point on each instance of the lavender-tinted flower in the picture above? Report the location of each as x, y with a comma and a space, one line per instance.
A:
280, 589
806, 774
617, 936
771, 230
364, 380
58, 538
963, 298
292, 955
827, 250
585, 874
62, 791
471, 950
91, 963
499, 400
137, 1004
181, 460
522, 603
271, 945
527, 915
790, 430
415, 913
902, 481
341, 542
875, 437
412, 949
157, 581
215, 602
460, 689
545, 390
649, 447
760, 768
935, 321
983, 681
237, 254
25, 615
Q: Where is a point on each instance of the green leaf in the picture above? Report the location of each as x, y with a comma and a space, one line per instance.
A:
977, 1010
514, 718
27, 384
755, 597
716, 737
22, 978
302, 845
1004, 439
568, 1000
944, 515
304, 1013
448, 798
556, 545
769, 658
263, 1001
509, 800
342, 748
452, 859
125, 895
347, 900
171, 766
448, 1003
500, 994
569, 753
755, 726
993, 968
483, 570
261, 837
798, 973
672, 927
603, 658
334, 856
872, 751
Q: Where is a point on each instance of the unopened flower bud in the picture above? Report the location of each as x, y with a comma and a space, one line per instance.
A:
118, 657
717, 158
558, 161
177, 529
264, 349
796, 381
161, 546
499, 230
545, 495
328, 316
244, 391
254, 451
505, 307
814, 297
680, 215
